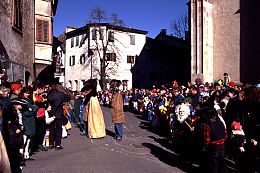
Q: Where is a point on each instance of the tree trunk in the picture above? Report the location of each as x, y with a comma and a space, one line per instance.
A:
103, 83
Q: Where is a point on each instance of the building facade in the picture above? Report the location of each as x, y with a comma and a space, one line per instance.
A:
225, 38
44, 12
163, 59
215, 39
17, 39
85, 47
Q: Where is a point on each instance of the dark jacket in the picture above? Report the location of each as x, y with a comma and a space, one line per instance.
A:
12, 139
56, 100
29, 114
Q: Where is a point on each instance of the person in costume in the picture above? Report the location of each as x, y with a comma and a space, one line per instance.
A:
92, 111
15, 90
40, 102
56, 99
117, 111
28, 117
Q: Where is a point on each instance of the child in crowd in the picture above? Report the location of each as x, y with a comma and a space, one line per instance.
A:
237, 136
48, 121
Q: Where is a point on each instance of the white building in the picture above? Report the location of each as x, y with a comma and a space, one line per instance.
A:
82, 60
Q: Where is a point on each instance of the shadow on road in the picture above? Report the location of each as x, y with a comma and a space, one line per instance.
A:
110, 133
171, 159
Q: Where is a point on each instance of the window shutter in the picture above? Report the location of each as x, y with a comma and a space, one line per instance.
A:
39, 30
45, 31
73, 60
42, 31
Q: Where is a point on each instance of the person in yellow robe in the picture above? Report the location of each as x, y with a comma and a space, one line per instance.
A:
92, 111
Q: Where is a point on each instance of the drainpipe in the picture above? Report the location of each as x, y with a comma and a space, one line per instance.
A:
12, 71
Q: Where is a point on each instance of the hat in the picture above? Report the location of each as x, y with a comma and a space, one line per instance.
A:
16, 86
235, 126
3, 88
176, 90
90, 84
188, 99
232, 84
115, 83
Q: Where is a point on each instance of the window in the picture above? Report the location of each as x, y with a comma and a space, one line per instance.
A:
101, 36
42, 31
82, 59
72, 60
17, 14
58, 69
72, 42
94, 34
111, 57
111, 37
76, 85
124, 84
70, 84
130, 59
77, 41
132, 39
82, 39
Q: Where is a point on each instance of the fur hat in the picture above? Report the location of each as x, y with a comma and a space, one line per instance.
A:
115, 83
89, 84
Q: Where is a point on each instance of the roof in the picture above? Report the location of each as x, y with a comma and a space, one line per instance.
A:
82, 30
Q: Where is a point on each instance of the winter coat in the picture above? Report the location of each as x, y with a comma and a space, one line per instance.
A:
12, 139
117, 108
29, 115
56, 100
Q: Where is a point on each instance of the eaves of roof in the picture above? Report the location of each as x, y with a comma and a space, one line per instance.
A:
85, 28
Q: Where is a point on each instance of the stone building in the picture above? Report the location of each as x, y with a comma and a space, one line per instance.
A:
224, 38
17, 39
83, 46
44, 12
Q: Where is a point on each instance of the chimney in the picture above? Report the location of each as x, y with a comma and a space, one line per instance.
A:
163, 32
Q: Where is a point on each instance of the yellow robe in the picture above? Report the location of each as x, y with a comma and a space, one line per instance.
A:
95, 119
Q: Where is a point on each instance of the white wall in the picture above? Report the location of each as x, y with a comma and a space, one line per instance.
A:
81, 72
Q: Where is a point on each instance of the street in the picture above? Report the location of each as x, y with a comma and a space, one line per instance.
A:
140, 151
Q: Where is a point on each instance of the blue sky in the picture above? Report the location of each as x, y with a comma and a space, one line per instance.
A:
148, 15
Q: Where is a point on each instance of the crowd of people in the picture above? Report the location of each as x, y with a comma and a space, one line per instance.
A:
27, 113
216, 121
204, 122
36, 118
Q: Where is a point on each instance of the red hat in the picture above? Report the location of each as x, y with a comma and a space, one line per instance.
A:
16, 86
235, 125
232, 84
154, 91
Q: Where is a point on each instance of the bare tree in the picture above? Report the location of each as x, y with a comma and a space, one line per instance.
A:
179, 26
104, 48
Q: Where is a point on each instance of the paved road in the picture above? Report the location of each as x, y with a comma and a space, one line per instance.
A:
141, 151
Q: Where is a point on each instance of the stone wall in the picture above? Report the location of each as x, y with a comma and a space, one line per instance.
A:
226, 29
19, 46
